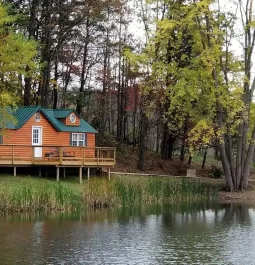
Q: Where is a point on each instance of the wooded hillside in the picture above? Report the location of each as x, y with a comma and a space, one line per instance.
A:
161, 75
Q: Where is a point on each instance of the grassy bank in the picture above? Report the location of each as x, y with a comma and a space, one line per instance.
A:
36, 194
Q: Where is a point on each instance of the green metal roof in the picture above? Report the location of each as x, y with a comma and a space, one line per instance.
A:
23, 114
62, 113
60, 126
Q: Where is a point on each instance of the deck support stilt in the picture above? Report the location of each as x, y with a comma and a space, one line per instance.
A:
109, 173
57, 173
40, 172
64, 172
80, 175
88, 173
14, 171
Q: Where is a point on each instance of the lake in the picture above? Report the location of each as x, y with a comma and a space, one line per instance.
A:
187, 234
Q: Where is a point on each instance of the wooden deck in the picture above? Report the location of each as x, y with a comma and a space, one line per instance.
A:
59, 156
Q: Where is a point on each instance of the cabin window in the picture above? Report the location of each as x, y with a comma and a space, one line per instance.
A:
72, 118
37, 117
78, 139
1, 139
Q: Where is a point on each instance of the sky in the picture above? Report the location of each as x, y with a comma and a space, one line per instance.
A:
137, 27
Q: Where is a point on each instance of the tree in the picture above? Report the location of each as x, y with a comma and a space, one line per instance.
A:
16, 53
190, 56
209, 88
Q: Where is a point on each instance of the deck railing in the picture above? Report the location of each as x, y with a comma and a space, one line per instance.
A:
57, 155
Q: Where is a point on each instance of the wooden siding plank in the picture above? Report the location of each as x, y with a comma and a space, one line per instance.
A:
50, 136
69, 123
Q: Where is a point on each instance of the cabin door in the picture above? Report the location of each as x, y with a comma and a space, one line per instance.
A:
37, 141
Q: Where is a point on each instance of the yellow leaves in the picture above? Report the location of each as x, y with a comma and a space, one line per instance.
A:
252, 24
16, 53
137, 61
201, 135
252, 119
4, 18
6, 98
232, 102
164, 26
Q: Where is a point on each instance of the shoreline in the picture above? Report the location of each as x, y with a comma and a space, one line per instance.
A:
246, 197
33, 194
24, 194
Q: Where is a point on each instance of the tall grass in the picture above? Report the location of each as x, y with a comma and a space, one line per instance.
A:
153, 191
53, 197
100, 193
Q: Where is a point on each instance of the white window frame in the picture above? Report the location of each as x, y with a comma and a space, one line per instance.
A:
37, 147
79, 140
39, 135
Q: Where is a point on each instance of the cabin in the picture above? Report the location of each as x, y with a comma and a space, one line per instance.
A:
52, 137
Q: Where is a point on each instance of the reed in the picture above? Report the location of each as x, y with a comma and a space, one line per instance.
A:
30, 195
153, 191
27, 198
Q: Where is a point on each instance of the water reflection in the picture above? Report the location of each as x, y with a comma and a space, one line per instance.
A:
183, 234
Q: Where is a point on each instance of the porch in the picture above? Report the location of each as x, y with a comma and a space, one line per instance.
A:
58, 156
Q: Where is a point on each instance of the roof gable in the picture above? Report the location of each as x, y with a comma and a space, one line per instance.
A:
23, 114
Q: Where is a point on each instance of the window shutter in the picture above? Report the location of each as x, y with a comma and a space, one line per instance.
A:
86, 142
1, 139
71, 138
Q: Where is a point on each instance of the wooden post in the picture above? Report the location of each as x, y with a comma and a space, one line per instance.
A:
33, 154
109, 173
80, 175
114, 155
97, 155
88, 173
12, 154
57, 174
83, 156
14, 171
40, 172
60, 155
64, 172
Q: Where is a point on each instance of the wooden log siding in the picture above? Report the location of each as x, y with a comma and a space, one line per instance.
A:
23, 136
69, 123
50, 138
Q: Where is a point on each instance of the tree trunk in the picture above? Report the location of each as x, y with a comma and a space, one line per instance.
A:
55, 87
182, 156
27, 90
134, 117
119, 106
143, 138
167, 146
46, 53
84, 68
204, 159
190, 159
31, 34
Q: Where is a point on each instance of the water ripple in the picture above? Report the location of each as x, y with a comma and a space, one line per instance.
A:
225, 235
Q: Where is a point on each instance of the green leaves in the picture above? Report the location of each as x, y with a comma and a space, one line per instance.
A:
16, 53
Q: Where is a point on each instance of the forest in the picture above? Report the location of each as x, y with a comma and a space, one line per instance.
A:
170, 76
